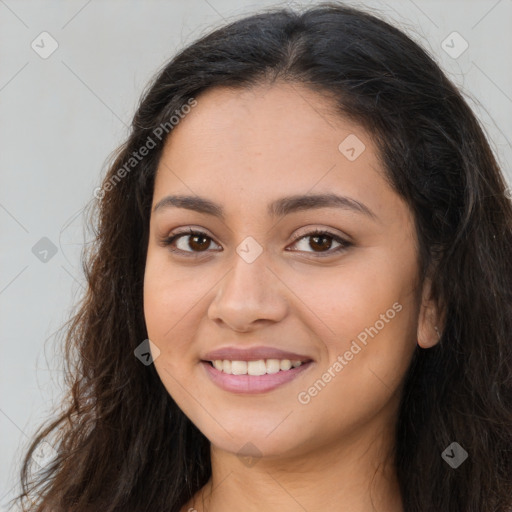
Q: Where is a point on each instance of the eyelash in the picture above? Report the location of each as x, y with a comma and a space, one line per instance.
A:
344, 244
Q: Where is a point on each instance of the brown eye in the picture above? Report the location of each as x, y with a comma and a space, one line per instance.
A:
321, 242
197, 242
190, 243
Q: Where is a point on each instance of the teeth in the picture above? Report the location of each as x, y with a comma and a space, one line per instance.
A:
285, 364
239, 367
259, 367
274, 365
256, 367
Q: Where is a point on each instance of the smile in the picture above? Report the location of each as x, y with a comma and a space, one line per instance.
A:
259, 367
258, 376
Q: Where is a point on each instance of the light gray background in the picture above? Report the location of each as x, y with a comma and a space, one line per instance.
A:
61, 117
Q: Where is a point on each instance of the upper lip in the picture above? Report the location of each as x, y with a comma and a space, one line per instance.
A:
253, 354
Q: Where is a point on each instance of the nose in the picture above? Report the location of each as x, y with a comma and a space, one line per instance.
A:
250, 294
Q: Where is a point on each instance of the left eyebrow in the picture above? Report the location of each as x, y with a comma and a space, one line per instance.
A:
277, 208
297, 203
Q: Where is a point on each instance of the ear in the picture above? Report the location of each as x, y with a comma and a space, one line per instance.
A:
430, 319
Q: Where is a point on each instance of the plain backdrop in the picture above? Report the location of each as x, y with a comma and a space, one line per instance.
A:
61, 115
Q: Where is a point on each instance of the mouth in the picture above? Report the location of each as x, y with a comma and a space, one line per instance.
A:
254, 376
255, 367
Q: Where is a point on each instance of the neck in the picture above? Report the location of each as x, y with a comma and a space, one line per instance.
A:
357, 474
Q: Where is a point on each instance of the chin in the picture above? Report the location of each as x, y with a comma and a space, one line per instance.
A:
255, 446
252, 441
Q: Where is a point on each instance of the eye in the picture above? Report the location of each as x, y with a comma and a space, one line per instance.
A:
198, 242
321, 241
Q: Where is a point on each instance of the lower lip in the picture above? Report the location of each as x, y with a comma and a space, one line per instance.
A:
253, 383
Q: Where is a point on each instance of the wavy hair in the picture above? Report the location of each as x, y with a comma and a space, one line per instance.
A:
122, 443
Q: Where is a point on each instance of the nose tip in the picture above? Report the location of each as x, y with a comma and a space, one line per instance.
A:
247, 296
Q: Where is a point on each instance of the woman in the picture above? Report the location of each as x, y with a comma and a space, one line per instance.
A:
299, 296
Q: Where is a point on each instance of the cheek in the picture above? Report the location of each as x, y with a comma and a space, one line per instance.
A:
365, 313
169, 299
350, 298
370, 317
170, 296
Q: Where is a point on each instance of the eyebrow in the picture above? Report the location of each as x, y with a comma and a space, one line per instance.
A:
279, 207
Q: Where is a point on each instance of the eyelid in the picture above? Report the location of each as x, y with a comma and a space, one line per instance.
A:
308, 230
190, 231
343, 240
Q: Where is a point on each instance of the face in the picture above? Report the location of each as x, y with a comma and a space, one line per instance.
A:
315, 298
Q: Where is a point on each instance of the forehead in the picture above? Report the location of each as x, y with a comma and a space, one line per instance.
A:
271, 119
242, 145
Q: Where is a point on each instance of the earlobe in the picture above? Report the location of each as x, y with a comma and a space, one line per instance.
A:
430, 324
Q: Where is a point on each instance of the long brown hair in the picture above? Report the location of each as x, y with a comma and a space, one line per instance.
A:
122, 444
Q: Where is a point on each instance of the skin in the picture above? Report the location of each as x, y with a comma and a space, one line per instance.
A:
243, 148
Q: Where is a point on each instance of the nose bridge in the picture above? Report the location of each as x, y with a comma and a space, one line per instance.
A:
249, 291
